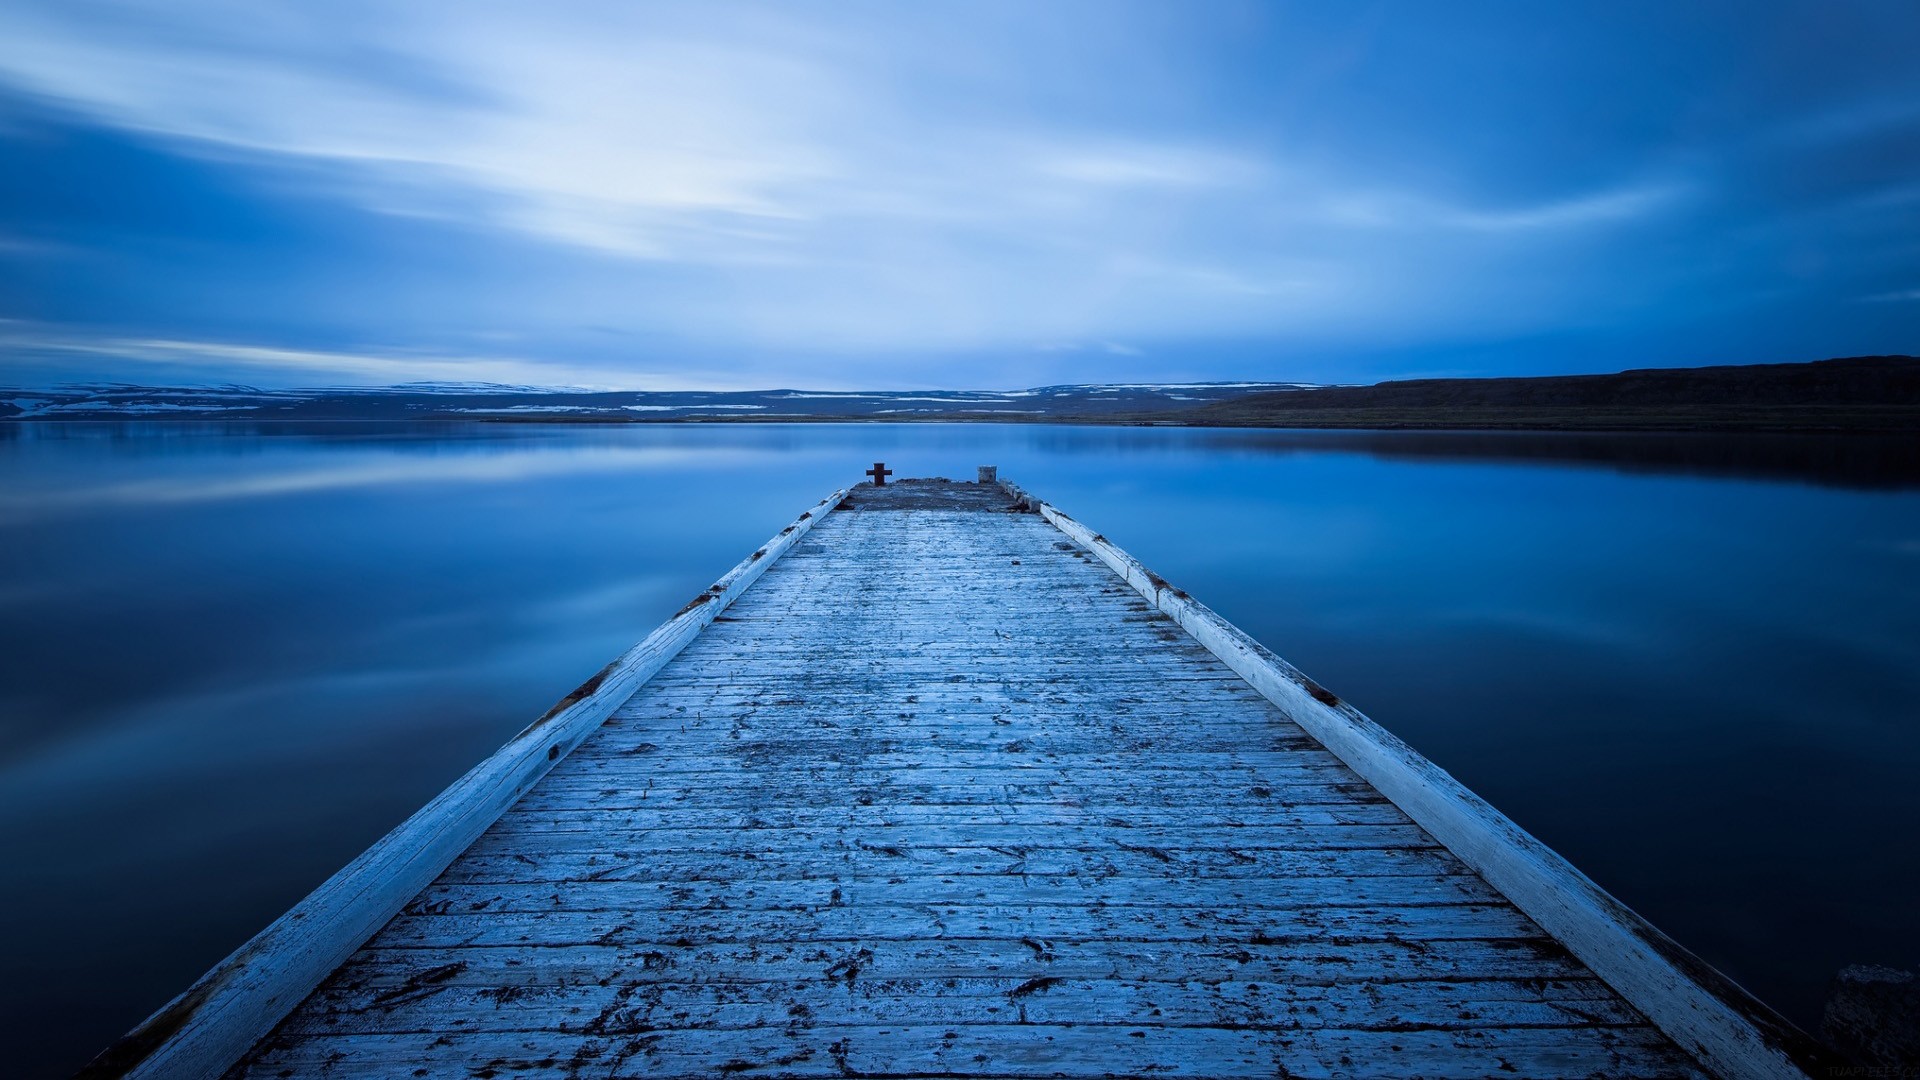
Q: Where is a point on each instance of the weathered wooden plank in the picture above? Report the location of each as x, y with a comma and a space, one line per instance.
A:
1227, 765
762, 864
1037, 746
1139, 922
1316, 960
907, 818
1000, 1050
896, 824
990, 729
609, 775
632, 1007
848, 786
1149, 697
1243, 895
1100, 799
853, 750
727, 837
903, 803
1229, 774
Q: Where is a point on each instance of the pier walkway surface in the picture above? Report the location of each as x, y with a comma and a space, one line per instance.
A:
942, 793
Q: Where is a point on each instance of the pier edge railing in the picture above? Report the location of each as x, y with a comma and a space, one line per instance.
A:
210, 1026
1731, 1032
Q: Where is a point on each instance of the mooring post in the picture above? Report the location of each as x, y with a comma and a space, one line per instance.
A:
989, 474
879, 472
1873, 1017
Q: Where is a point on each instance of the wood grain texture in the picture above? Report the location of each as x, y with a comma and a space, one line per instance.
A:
942, 795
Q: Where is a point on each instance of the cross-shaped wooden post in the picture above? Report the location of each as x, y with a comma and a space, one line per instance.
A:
879, 472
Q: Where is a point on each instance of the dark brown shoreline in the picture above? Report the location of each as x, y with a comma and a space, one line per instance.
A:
1871, 395
1840, 422
1811, 421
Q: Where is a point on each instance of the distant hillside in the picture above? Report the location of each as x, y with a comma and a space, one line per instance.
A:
471, 401
1864, 393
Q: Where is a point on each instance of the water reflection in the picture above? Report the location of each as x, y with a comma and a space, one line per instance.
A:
1853, 461
233, 656
438, 469
1874, 461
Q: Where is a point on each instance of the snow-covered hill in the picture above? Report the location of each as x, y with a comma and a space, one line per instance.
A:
470, 401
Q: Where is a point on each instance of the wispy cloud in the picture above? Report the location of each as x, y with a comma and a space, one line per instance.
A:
1149, 166
734, 180
675, 138
1610, 207
1562, 215
603, 129
164, 359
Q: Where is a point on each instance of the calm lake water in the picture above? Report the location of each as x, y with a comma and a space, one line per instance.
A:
233, 657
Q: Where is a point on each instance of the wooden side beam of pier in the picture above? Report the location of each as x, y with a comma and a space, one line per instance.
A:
957, 787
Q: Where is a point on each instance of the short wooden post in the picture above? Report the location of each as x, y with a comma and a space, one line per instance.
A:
989, 474
1873, 1017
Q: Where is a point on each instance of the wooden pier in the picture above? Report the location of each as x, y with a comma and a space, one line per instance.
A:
941, 783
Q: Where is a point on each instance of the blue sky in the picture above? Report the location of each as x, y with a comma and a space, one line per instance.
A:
926, 194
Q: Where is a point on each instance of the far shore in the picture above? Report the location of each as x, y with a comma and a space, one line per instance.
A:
1887, 421
1892, 420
